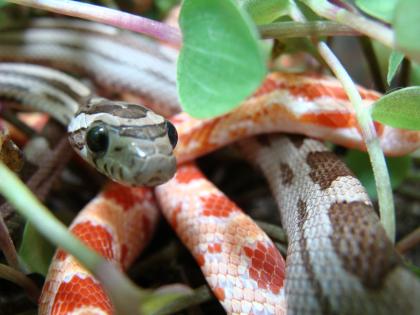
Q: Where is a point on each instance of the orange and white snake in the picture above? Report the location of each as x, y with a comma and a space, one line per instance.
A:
339, 258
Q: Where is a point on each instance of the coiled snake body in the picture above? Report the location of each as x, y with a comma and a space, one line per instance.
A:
339, 258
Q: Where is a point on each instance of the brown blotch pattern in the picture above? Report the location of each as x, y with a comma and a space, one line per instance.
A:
326, 167
286, 174
361, 243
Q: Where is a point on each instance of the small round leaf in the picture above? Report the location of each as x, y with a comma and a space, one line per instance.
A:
221, 62
399, 109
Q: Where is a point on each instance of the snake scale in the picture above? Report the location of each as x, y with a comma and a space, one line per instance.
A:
339, 259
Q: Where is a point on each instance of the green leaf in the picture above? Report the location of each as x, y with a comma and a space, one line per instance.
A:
359, 163
394, 62
380, 9
221, 62
265, 11
35, 250
407, 27
399, 109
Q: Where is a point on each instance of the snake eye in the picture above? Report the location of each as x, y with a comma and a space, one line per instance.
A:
97, 139
172, 134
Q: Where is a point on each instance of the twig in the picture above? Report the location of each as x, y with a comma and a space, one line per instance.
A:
371, 28
301, 29
409, 241
21, 280
12, 118
376, 155
7, 246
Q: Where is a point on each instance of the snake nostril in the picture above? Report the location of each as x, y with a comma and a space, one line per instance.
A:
172, 134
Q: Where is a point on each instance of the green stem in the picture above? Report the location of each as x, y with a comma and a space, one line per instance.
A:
115, 283
366, 26
377, 158
200, 295
28, 206
301, 29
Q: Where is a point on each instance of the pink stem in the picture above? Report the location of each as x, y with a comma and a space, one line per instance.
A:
109, 16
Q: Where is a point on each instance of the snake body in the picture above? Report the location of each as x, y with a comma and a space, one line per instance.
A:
117, 61
333, 266
118, 224
339, 260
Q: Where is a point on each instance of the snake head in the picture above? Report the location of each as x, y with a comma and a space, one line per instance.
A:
127, 142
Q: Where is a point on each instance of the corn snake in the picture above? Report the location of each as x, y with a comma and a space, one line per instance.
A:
216, 131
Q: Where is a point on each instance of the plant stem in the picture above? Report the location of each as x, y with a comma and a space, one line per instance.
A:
109, 16
366, 26
28, 206
376, 156
41, 218
409, 241
21, 280
301, 29
200, 295
7, 247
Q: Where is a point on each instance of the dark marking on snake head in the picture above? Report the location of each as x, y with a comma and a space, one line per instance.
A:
297, 140
118, 149
326, 167
118, 109
263, 140
361, 243
286, 174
